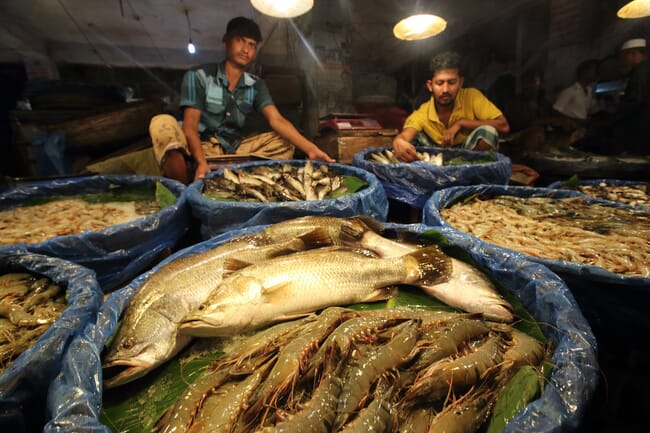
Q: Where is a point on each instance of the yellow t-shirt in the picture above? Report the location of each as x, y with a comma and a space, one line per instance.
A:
469, 104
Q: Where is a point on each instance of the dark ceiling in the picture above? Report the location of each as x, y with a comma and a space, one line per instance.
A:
155, 32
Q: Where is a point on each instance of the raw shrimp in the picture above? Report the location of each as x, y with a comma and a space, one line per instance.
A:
456, 374
371, 367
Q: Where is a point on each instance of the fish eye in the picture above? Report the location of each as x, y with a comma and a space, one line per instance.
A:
126, 343
202, 307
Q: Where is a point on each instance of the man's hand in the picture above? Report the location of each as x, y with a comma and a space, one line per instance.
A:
450, 133
315, 154
201, 170
404, 150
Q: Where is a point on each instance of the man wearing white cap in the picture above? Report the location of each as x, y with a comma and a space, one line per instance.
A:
627, 130
631, 129
633, 52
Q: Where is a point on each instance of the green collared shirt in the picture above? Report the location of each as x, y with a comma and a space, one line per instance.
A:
223, 113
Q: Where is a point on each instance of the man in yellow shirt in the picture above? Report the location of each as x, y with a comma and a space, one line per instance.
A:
454, 116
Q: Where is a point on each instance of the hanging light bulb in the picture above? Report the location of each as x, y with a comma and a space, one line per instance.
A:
635, 9
419, 27
283, 8
190, 45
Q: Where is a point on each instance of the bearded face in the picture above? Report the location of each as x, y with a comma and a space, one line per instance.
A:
444, 86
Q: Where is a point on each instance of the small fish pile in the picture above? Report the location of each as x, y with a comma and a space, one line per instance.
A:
614, 238
347, 370
29, 304
285, 182
288, 270
387, 156
40, 222
632, 194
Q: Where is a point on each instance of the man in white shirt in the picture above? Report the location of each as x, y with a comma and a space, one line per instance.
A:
577, 101
626, 130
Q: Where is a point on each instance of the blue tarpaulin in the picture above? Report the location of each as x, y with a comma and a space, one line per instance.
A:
24, 384
117, 253
611, 302
220, 216
414, 182
76, 396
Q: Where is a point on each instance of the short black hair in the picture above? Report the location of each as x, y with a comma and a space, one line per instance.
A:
586, 65
242, 26
445, 60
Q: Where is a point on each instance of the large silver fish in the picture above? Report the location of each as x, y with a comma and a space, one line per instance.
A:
468, 288
287, 287
337, 228
149, 336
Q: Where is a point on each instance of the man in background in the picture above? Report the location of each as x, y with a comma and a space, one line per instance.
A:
631, 130
454, 116
216, 100
577, 101
625, 131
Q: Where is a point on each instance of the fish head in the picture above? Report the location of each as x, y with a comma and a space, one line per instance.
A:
135, 351
217, 321
229, 313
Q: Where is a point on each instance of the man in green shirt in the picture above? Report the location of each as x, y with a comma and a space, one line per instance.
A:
454, 116
216, 100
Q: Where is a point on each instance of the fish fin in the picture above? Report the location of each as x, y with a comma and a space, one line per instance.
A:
316, 238
231, 265
433, 266
352, 230
312, 240
372, 223
276, 293
287, 317
381, 294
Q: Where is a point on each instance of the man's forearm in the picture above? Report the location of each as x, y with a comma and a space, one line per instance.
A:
196, 149
286, 130
500, 124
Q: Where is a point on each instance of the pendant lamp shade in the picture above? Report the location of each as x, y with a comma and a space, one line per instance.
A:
283, 8
635, 9
419, 27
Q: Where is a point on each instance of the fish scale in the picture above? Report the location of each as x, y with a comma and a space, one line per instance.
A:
291, 286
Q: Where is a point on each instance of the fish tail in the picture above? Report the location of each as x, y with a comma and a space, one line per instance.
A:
428, 266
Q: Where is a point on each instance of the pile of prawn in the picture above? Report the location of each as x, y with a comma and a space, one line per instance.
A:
632, 194
29, 304
616, 239
347, 370
40, 222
